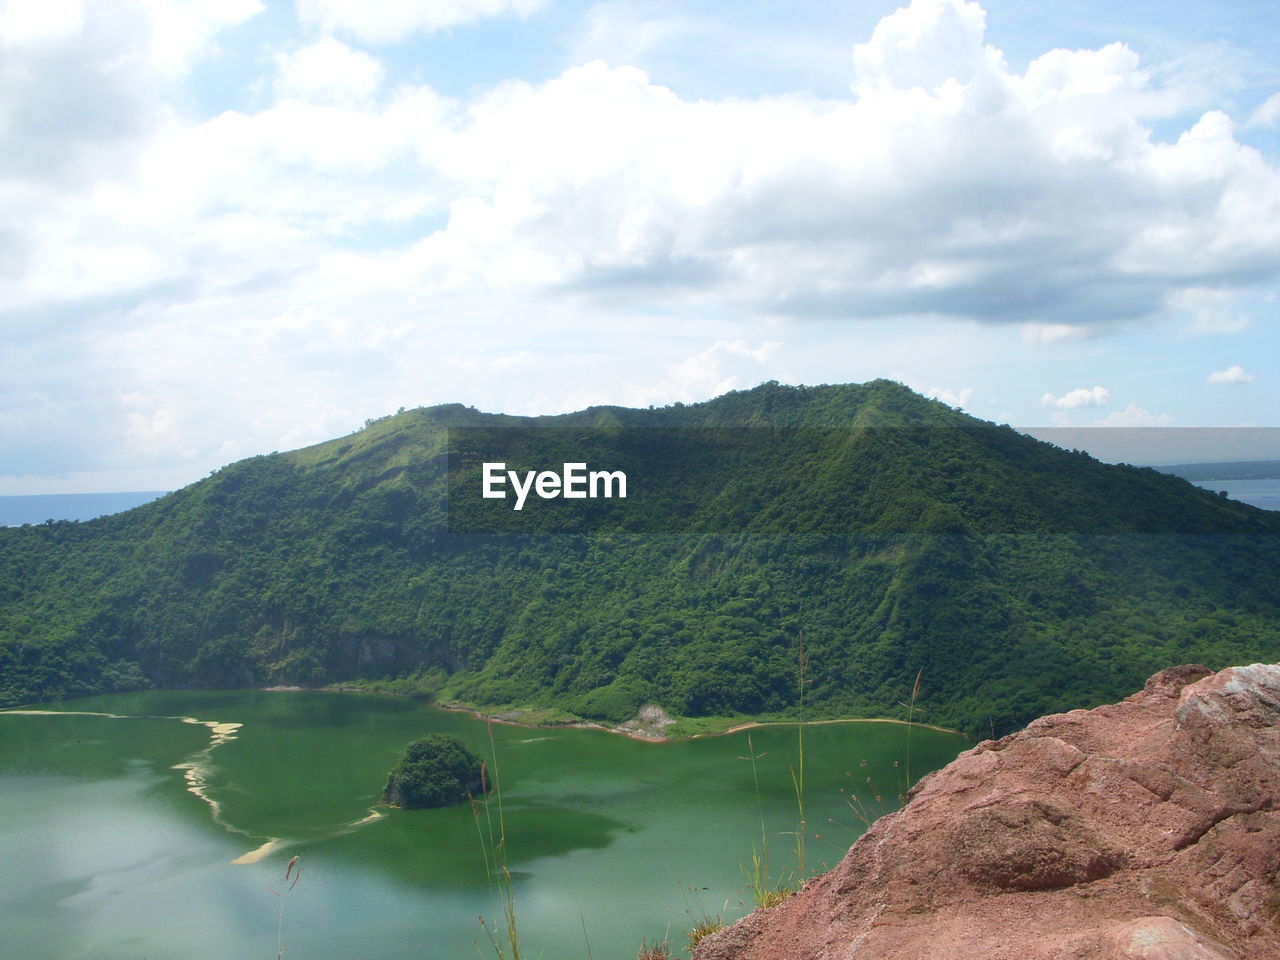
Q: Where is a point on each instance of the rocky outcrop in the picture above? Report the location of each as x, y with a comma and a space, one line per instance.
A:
1144, 829
649, 724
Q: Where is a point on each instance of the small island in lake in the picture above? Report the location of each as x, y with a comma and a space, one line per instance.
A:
436, 771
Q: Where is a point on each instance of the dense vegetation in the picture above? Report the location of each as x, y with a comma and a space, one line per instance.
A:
436, 771
887, 533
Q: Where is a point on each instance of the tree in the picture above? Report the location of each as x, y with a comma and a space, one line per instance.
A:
436, 771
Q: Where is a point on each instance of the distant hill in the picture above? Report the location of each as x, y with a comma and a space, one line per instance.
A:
37, 508
883, 533
1235, 470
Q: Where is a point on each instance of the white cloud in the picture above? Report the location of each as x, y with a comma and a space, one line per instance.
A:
1235, 374
1212, 310
151, 426
952, 398
1039, 197
1267, 113
1134, 416
725, 365
39, 21
346, 228
927, 44
328, 71
183, 31
1080, 397
85, 88
1053, 332
388, 21
951, 186
626, 32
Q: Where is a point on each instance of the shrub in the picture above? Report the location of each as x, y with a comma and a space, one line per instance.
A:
618, 701
435, 771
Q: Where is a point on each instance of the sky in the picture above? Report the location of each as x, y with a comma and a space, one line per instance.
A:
229, 227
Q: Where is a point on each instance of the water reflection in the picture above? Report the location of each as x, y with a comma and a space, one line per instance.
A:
109, 855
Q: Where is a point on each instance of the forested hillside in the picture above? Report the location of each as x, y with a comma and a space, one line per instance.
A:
892, 533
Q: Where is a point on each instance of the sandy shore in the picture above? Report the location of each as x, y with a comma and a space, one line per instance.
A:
511, 718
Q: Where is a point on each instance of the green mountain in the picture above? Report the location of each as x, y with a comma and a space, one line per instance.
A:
869, 532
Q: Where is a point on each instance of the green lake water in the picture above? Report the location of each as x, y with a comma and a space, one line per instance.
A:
121, 824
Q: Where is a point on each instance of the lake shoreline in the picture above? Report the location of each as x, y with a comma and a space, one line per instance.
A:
630, 729
509, 718
815, 723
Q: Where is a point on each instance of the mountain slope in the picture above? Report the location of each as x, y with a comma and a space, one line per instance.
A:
891, 533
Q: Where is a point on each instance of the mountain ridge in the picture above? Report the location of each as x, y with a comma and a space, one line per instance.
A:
891, 531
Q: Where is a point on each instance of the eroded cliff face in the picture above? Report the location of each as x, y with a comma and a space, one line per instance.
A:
1146, 829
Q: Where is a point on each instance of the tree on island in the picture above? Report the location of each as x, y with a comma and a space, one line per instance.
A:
436, 771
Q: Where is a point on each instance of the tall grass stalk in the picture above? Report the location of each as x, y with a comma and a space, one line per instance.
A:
797, 777
763, 892
704, 922
292, 873
911, 710
506, 945
659, 951
585, 939
862, 813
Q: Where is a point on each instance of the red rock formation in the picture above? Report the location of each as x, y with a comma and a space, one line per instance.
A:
1145, 829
